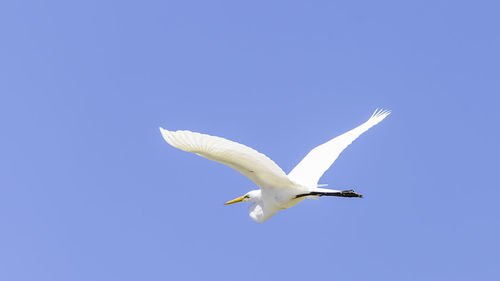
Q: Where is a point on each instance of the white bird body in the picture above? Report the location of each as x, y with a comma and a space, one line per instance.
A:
278, 191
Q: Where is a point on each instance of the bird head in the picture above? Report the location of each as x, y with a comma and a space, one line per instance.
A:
251, 196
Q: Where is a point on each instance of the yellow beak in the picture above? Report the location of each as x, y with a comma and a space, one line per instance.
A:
239, 199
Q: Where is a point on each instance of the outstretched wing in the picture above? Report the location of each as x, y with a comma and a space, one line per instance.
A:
251, 163
317, 161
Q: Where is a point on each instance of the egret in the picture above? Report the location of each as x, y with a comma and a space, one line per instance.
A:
278, 191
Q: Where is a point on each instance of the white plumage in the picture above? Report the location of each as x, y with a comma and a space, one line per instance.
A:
318, 160
277, 190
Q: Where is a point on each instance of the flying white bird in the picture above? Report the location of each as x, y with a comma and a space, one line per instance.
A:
278, 191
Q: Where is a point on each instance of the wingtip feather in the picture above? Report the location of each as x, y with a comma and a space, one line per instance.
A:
166, 135
380, 113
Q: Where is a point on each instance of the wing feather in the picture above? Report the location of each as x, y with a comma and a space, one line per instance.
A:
317, 161
251, 163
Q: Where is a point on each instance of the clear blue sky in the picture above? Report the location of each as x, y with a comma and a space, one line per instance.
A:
90, 191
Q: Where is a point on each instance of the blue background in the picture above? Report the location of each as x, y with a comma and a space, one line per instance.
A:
90, 191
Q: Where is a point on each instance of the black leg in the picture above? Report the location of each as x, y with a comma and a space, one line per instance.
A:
345, 193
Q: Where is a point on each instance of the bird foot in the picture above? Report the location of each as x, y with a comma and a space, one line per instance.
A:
350, 193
